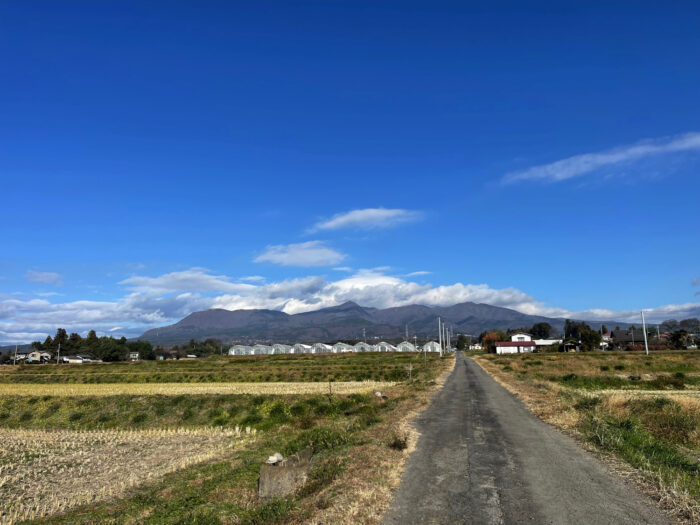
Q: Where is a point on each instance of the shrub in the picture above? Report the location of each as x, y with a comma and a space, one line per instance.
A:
319, 438
586, 403
619, 367
604, 368
398, 442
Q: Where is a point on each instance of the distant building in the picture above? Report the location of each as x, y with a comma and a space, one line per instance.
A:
133, 356
262, 349
476, 346
521, 336
240, 350
547, 342
515, 347
38, 356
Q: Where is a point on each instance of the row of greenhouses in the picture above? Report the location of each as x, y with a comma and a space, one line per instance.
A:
338, 348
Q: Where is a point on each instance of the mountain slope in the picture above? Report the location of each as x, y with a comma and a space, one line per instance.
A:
346, 321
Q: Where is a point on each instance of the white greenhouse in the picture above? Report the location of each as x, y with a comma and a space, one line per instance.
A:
384, 347
281, 349
431, 346
321, 348
363, 347
300, 348
342, 348
405, 346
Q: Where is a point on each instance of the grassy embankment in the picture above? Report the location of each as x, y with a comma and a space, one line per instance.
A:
644, 410
79, 445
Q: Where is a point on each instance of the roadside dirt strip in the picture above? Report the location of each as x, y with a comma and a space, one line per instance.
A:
483, 458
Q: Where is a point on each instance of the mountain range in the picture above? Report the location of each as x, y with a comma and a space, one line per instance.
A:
344, 322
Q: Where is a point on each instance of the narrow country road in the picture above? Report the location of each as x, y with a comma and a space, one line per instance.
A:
483, 458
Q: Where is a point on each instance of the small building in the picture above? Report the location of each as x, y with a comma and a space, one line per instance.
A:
476, 346
405, 346
363, 347
431, 346
133, 356
342, 348
547, 342
515, 347
321, 348
38, 356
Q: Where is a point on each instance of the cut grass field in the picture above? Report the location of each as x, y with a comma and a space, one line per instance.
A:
643, 410
224, 369
177, 389
77, 441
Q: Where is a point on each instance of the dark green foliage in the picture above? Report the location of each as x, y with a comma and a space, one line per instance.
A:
319, 439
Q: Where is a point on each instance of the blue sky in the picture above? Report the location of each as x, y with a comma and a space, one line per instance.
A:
160, 158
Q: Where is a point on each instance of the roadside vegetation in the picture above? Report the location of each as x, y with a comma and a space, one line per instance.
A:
196, 458
644, 410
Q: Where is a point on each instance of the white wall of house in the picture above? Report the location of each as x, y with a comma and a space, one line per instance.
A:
521, 337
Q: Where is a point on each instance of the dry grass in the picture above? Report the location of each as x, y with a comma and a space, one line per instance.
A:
365, 491
47, 472
176, 389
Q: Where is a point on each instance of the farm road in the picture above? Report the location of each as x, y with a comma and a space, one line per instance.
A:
483, 458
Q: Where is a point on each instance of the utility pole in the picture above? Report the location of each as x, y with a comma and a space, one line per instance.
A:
15, 360
58, 357
364, 335
440, 334
644, 328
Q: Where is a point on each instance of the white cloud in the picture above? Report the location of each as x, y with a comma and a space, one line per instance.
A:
34, 276
156, 301
418, 273
368, 218
579, 165
253, 279
194, 279
311, 253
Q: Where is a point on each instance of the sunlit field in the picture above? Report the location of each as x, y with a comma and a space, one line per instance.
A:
163, 446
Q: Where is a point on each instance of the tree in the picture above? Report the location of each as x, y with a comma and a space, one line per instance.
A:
603, 329
590, 339
60, 338
489, 339
541, 330
462, 342
91, 342
678, 339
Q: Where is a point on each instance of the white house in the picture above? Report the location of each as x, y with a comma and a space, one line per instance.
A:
133, 356
37, 356
514, 347
405, 346
321, 348
431, 346
363, 347
342, 348
384, 347
301, 349
476, 346
521, 336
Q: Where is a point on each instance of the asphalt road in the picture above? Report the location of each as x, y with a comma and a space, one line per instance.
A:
483, 458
